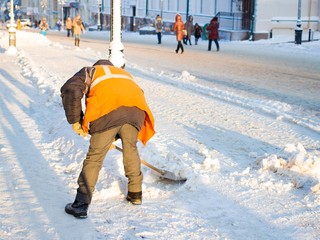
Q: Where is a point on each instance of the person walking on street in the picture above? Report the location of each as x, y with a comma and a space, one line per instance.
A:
190, 29
59, 24
69, 26
213, 30
115, 109
197, 33
77, 30
74, 20
178, 28
158, 25
44, 26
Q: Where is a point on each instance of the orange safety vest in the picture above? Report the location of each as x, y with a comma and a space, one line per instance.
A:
111, 88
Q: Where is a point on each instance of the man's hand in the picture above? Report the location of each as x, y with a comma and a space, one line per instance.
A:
78, 129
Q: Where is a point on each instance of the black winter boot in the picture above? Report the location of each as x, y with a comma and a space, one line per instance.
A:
77, 209
135, 198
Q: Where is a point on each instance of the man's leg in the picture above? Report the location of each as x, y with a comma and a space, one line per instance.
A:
99, 146
209, 44
131, 159
217, 44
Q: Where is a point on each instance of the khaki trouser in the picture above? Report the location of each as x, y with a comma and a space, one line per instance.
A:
99, 146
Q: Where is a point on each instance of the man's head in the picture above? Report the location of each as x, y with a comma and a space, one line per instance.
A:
109, 63
103, 62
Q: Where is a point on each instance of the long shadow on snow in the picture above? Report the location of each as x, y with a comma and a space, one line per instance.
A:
44, 184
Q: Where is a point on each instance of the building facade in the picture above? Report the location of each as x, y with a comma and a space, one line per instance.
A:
255, 18
244, 18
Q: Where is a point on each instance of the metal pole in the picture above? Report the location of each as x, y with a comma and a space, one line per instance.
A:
12, 28
62, 13
187, 13
161, 8
147, 6
99, 23
116, 48
253, 20
298, 30
310, 8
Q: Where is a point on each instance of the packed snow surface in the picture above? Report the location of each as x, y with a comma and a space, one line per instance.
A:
245, 134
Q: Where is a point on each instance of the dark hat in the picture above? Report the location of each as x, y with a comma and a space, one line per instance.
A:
103, 62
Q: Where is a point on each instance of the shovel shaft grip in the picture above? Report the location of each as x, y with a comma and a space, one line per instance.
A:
152, 167
144, 162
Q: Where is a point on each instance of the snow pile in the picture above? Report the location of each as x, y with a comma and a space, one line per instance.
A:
295, 163
187, 77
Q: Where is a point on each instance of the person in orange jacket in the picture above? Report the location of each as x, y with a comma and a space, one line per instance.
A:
78, 28
179, 28
115, 108
69, 26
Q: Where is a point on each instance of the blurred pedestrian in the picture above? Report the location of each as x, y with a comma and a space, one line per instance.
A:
78, 28
59, 23
115, 108
73, 23
178, 28
159, 25
213, 33
44, 26
68, 26
197, 33
190, 30
19, 24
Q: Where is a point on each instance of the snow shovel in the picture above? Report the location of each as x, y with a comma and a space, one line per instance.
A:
163, 173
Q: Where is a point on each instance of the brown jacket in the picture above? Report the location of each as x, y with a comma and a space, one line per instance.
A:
213, 29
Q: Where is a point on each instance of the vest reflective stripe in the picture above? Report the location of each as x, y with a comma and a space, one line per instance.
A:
117, 89
107, 74
103, 78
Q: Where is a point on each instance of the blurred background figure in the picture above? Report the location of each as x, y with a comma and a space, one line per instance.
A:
69, 26
190, 29
158, 24
197, 33
78, 28
178, 28
59, 23
213, 33
44, 26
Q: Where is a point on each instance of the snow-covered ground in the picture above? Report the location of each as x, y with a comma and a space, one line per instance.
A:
252, 158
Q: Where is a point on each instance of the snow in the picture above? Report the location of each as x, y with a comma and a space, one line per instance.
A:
252, 158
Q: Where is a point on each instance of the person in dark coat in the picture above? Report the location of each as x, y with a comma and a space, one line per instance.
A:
115, 109
197, 33
213, 30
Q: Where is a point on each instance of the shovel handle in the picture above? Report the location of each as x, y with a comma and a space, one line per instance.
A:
143, 162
